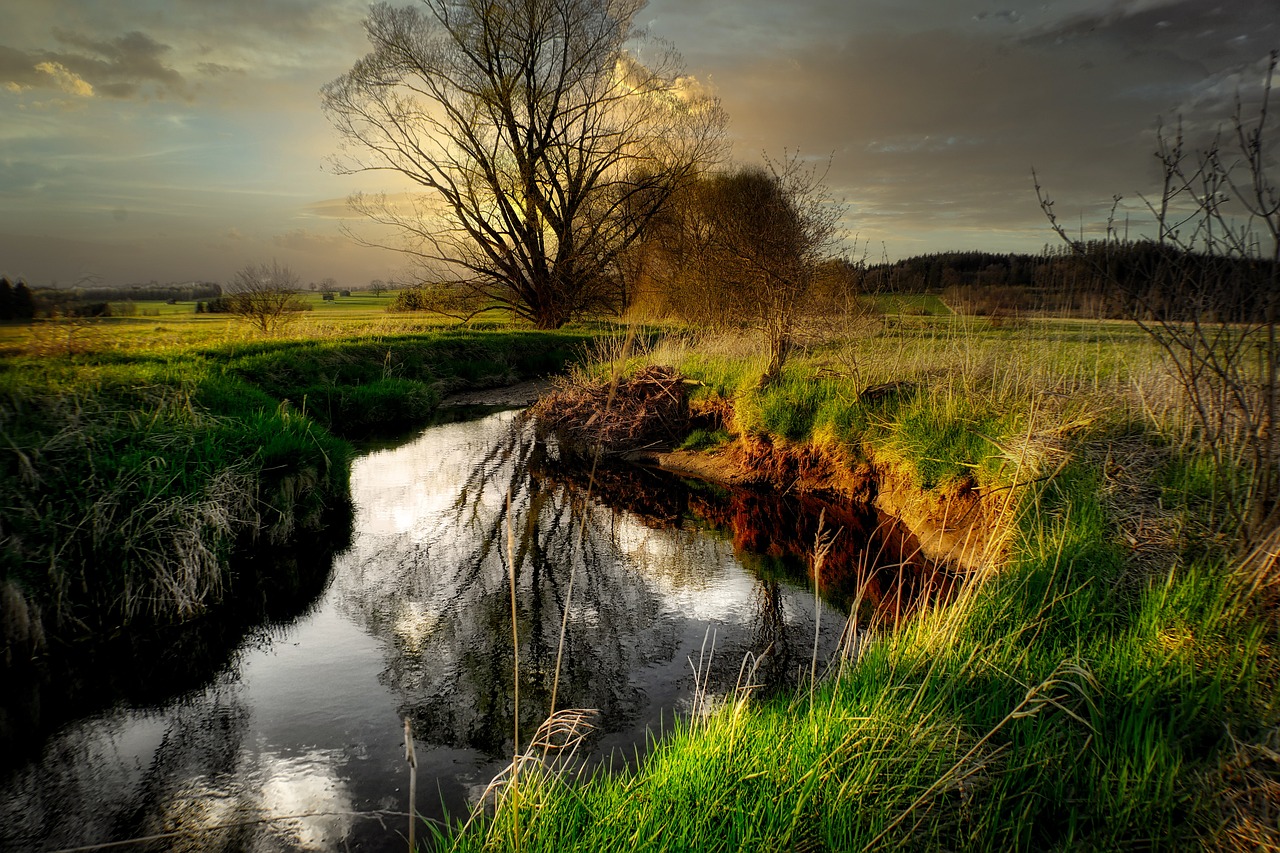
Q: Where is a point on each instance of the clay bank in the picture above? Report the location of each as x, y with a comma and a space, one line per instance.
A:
647, 417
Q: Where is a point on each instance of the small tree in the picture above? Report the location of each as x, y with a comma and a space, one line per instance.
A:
749, 247
24, 302
6, 299
266, 296
377, 287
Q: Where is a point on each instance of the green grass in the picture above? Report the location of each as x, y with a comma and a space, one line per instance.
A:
910, 304
1077, 695
130, 473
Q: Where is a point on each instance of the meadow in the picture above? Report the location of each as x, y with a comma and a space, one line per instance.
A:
144, 451
1106, 678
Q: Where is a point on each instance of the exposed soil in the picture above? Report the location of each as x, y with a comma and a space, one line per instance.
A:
959, 528
642, 417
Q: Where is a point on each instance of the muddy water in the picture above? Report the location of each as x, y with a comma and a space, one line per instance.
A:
294, 740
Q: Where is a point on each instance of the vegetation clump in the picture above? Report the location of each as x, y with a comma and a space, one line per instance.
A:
648, 409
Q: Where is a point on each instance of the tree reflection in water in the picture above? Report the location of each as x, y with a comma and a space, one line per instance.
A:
646, 583
295, 720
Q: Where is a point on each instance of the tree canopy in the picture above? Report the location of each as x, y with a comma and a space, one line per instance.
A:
548, 133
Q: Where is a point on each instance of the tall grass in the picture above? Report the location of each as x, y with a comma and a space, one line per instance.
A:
1094, 690
128, 476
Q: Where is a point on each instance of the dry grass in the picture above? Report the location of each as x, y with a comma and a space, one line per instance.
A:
648, 409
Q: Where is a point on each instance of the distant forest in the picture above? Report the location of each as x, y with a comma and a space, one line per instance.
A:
1106, 279
20, 302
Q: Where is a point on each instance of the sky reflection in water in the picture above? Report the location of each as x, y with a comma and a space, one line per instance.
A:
296, 745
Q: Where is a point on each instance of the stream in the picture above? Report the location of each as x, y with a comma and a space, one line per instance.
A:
292, 738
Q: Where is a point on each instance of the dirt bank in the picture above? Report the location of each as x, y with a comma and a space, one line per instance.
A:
958, 526
641, 416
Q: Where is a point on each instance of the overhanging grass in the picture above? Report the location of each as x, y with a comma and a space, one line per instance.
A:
1072, 698
1047, 710
128, 475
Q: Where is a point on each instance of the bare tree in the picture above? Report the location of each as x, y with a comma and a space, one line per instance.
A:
749, 247
1206, 288
266, 295
545, 142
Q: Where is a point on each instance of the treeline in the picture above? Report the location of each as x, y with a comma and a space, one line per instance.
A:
17, 302
22, 303
153, 292
1095, 279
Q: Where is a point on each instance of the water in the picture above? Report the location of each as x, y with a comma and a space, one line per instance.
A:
293, 739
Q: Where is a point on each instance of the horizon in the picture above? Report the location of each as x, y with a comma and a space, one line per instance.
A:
178, 142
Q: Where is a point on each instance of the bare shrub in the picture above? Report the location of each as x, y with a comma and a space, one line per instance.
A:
750, 247
266, 296
1206, 288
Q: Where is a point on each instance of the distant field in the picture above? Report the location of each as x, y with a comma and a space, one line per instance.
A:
912, 304
153, 325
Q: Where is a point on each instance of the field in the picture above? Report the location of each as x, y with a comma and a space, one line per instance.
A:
144, 452
1107, 678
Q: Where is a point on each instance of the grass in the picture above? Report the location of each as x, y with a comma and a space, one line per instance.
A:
1080, 694
131, 470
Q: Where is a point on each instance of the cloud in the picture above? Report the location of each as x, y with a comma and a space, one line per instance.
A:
66, 80
1207, 34
305, 240
130, 65
215, 69
1009, 16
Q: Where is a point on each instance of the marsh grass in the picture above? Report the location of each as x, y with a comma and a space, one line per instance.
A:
1088, 691
129, 475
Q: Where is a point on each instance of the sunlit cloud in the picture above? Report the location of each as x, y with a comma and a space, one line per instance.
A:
192, 115
66, 80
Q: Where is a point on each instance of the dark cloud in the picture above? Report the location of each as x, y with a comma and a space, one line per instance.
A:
123, 67
1008, 16
937, 113
214, 69
1210, 34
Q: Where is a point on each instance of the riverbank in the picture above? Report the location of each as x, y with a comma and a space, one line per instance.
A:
957, 528
135, 479
1106, 678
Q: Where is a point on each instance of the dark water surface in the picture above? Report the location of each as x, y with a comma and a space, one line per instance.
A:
293, 739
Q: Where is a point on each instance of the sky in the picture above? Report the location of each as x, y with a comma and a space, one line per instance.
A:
181, 140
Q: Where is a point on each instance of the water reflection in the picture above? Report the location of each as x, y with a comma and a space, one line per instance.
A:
430, 575
293, 741
149, 667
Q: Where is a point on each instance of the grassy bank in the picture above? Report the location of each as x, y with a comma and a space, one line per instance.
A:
1108, 683
132, 471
